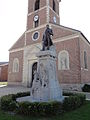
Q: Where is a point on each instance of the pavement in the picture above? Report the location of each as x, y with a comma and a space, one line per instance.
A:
5, 90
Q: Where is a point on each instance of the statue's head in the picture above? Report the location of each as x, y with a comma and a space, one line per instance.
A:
47, 26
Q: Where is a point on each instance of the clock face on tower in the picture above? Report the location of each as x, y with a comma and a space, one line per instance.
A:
36, 17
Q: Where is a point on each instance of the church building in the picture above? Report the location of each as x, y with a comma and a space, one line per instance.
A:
72, 47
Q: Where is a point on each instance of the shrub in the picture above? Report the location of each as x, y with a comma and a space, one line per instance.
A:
86, 88
40, 108
8, 103
50, 108
73, 102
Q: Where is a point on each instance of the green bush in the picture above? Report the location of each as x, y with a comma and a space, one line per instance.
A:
40, 108
50, 108
8, 103
73, 102
86, 88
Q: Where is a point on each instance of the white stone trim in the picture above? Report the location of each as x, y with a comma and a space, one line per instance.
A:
16, 50
66, 38
15, 62
36, 10
25, 39
37, 28
59, 60
64, 28
38, 36
54, 12
47, 11
35, 45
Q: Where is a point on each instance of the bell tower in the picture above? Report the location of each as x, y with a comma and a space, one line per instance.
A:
42, 12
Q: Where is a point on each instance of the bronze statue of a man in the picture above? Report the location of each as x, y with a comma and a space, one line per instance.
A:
47, 41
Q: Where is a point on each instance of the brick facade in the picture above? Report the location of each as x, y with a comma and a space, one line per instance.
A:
64, 38
72, 75
85, 73
15, 77
3, 72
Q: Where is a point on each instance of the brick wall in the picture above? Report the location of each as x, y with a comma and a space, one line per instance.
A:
15, 77
3, 73
85, 73
71, 76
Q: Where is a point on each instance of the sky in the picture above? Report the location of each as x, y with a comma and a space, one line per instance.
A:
13, 17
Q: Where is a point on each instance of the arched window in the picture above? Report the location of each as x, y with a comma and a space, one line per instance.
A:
37, 5
54, 6
85, 60
16, 65
63, 60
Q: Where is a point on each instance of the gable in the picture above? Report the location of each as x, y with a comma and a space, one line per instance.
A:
19, 43
61, 31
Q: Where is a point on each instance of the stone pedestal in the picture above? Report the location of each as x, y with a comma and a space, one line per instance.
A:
46, 86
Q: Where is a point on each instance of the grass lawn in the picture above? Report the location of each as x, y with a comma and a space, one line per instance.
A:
82, 113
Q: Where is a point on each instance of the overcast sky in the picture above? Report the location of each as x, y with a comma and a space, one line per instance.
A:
13, 15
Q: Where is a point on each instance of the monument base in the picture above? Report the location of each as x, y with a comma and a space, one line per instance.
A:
46, 86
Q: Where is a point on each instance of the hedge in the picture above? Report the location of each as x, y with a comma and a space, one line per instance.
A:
73, 102
9, 103
41, 109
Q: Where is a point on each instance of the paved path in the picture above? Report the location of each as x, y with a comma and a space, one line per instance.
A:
5, 90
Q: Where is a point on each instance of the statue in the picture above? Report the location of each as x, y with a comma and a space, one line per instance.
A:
47, 41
